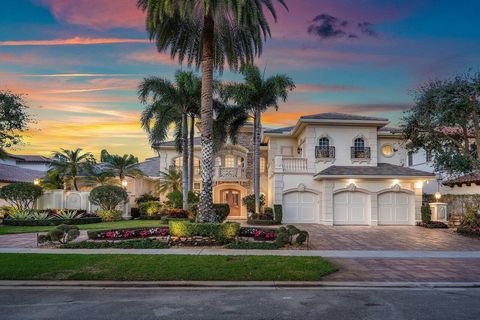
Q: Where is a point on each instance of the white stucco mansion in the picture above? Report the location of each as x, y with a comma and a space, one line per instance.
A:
330, 168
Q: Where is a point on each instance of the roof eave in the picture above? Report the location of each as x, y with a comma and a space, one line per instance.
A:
347, 176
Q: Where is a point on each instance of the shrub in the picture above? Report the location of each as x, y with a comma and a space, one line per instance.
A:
224, 232
221, 210
282, 239
469, 231
67, 214
130, 244
108, 197
433, 225
149, 208
175, 199
249, 202
5, 211
253, 246
135, 213
426, 213
175, 213
110, 215
277, 213
146, 197
62, 234
301, 237
21, 195
470, 219
20, 214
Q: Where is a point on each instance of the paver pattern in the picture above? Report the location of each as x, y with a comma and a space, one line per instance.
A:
27, 240
387, 238
401, 270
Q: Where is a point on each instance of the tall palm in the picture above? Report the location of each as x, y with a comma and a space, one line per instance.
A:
123, 166
170, 180
171, 104
257, 94
209, 34
96, 175
71, 163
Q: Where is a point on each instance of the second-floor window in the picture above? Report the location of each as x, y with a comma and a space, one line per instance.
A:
324, 150
359, 151
229, 161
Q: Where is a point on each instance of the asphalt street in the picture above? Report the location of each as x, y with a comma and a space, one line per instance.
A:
239, 303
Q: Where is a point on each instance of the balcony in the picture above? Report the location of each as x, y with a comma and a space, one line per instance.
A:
229, 174
357, 153
324, 153
291, 164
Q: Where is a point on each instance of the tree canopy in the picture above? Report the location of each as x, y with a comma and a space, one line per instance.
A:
445, 122
14, 119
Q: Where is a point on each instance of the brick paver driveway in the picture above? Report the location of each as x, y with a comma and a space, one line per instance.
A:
387, 238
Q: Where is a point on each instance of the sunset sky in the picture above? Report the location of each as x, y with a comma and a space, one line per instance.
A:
80, 61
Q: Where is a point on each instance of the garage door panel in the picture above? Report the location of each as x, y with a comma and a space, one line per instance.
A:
350, 208
300, 207
394, 208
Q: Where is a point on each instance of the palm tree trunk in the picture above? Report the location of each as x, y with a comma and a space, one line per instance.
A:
205, 206
74, 178
185, 161
191, 160
256, 160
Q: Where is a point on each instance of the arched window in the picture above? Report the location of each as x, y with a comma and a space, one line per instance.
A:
359, 144
324, 143
218, 161
229, 161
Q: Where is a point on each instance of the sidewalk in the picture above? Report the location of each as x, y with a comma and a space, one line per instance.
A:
349, 254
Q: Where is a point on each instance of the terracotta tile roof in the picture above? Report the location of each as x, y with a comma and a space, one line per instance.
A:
467, 179
10, 173
382, 169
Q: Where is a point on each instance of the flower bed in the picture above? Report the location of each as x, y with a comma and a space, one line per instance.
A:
433, 225
259, 234
469, 231
120, 234
145, 243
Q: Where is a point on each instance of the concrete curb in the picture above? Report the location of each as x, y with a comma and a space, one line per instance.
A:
5, 284
349, 254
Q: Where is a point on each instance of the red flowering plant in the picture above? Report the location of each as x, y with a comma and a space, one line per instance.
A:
258, 233
129, 233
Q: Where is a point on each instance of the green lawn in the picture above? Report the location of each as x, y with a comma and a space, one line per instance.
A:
161, 267
93, 226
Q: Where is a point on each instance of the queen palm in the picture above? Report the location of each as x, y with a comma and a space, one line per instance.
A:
170, 180
171, 104
209, 34
70, 163
257, 94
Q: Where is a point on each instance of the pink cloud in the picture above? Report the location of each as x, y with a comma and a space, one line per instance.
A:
8, 58
71, 41
97, 14
150, 56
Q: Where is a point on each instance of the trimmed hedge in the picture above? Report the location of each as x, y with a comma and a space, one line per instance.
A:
278, 213
221, 210
51, 222
128, 244
224, 232
433, 225
253, 246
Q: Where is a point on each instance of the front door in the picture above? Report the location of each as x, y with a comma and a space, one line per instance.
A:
232, 198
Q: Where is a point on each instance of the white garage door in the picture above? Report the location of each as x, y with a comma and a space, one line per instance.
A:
350, 208
300, 207
394, 208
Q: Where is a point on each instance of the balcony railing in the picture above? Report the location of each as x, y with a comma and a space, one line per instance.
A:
196, 169
224, 173
360, 153
291, 164
324, 153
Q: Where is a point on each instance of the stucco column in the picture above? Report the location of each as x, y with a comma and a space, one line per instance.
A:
327, 203
418, 203
374, 209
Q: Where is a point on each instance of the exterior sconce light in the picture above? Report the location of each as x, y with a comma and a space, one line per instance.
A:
36, 181
299, 150
438, 195
395, 182
124, 183
351, 181
419, 184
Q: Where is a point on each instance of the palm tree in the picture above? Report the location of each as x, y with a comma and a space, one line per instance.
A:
97, 175
123, 166
170, 180
70, 163
209, 34
52, 180
171, 104
256, 95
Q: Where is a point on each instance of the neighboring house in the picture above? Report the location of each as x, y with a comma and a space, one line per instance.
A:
329, 168
22, 168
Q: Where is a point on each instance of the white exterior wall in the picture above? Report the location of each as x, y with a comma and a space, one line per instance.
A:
399, 158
